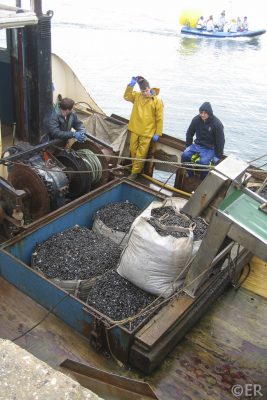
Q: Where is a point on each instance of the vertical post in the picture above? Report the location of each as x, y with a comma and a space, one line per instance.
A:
38, 74
0, 138
199, 269
36, 6
1, 166
16, 37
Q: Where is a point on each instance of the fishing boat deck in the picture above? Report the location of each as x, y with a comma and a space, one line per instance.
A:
227, 347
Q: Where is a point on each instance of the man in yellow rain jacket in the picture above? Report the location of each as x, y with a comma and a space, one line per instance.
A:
146, 121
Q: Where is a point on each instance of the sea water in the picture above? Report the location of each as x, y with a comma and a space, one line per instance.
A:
108, 42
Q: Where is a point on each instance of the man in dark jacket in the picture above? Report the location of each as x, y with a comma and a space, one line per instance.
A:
61, 122
209, 142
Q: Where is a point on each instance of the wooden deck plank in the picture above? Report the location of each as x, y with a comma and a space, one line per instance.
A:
162, 321
228, 346
53, 340
256, 281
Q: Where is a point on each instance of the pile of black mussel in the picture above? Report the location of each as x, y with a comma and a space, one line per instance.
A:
76, 253
79, 253
118, 298
168, 217
118, 216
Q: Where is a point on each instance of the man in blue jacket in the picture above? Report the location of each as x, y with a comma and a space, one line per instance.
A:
61, 122
209, 142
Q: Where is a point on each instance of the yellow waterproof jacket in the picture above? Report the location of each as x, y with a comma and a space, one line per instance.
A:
147, 113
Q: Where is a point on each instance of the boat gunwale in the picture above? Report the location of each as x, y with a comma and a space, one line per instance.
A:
221, 35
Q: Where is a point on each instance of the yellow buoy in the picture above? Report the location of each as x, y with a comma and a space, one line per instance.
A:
190, 17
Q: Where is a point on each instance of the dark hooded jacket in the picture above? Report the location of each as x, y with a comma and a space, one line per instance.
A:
55, 126
209, 133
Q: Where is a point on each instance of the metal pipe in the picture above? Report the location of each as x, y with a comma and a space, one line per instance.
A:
19, 21
33, 150
11, 8
254, 195
159, 183
13, 133
222, 254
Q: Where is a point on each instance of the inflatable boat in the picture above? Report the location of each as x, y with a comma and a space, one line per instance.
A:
215, 34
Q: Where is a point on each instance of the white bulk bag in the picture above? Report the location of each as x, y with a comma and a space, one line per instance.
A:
178, 203
118, 237
155, 263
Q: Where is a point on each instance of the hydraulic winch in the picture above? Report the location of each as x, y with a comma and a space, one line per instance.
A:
43, 178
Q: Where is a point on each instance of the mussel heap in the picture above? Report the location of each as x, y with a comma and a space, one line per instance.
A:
118, 298
76, 253
170, 218
118, 216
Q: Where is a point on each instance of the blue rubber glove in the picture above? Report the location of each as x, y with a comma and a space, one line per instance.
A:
133, 81
155, 138
216, 160
79, 136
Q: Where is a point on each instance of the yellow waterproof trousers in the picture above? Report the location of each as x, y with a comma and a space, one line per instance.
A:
139, 146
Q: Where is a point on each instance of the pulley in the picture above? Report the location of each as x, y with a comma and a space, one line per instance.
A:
45, 187
37, 201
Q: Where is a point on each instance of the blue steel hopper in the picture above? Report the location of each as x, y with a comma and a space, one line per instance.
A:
147, 344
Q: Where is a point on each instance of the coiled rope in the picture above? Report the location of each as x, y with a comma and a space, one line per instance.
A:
92, 163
